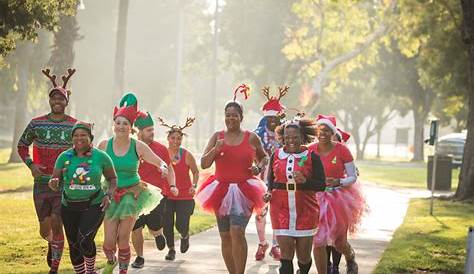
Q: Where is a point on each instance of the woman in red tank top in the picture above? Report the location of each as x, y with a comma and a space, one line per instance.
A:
178, 209
234, 192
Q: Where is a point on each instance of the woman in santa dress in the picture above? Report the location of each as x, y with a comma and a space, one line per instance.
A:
342, 204
233, 193
295, 175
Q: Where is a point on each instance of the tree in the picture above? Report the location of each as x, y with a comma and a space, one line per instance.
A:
329, 34
465, 188
21, 20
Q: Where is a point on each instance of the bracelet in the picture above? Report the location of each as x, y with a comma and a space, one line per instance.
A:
173, 186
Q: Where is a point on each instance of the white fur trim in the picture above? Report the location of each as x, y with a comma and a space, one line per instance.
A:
283, 155
270, 113
295, 233
328, 123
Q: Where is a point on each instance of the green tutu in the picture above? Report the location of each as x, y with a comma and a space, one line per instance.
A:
128, 206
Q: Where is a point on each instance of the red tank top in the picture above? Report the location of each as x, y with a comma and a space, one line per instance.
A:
233, 162
183, 181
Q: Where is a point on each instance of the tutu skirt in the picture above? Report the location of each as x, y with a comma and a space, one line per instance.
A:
224, 199
133, 203
340, 212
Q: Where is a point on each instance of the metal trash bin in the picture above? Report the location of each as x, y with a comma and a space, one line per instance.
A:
444, 168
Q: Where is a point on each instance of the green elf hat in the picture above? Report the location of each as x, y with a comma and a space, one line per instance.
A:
144, 120
127, 108
87, 126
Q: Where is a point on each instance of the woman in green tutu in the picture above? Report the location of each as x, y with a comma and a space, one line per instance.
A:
131, 197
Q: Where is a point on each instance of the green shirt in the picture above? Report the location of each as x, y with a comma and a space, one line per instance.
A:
126, 166
82, 175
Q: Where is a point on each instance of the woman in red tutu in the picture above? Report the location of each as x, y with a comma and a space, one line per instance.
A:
234, 192
342, 204
295, 175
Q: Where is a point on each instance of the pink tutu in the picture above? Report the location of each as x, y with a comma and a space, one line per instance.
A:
225, 199
340, 212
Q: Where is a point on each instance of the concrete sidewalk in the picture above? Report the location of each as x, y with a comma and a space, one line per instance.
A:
387, 210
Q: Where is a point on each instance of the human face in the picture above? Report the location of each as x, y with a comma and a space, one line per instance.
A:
272, 122
122, 127
147, 134
232, 118
175, 139
57, 102
292, 137
324, 134
81, 139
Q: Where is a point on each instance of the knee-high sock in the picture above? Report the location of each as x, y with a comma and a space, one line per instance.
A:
124, 259
90, 264
109, 253
79, 268
304, 268
57, 246
286, 266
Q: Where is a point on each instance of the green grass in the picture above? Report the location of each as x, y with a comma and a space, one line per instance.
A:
426, 243
398, 174
22, 250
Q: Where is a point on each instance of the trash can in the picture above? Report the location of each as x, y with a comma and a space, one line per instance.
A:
444, 168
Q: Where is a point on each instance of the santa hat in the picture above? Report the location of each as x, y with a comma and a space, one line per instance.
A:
143, 120
327, 120
343, 136
128, 108
273, 107
62, 90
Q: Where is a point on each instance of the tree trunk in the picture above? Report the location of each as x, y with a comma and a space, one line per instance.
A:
23, 53
121, 42
465, 188
418, 152
379, 136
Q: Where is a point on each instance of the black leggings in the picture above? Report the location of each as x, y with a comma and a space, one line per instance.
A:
81, 228
183, 210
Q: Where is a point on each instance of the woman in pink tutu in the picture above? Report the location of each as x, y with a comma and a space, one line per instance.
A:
233, 192
342, 204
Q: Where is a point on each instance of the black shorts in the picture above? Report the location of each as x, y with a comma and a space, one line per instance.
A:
154, 219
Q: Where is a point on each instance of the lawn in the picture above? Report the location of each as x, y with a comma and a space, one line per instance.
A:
398, 174
427, 244
21, 248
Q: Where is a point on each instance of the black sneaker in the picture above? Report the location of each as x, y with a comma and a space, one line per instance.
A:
184, 246
139, 262
49, 256
160, 242
171, 255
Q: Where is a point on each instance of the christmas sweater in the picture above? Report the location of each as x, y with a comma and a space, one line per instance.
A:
49, 138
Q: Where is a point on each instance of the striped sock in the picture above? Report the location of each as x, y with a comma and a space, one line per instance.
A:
109, 253
57, 246
124, 260
90, 265
80, 268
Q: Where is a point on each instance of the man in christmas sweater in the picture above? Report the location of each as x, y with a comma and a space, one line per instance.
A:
50, 135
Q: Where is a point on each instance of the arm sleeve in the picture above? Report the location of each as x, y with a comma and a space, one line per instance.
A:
106, 160
317, 181
351, 175
270, 175
60, 161
24, 143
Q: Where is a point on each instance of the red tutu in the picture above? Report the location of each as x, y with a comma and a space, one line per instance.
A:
340, 212
224, 199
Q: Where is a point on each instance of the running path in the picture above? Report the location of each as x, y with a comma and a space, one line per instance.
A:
387, 210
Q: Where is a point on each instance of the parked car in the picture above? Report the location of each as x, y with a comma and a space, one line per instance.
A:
453, 145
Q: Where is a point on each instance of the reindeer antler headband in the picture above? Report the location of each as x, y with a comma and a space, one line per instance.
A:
62, 89
176, 128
